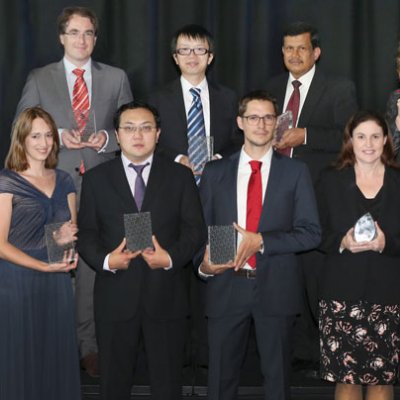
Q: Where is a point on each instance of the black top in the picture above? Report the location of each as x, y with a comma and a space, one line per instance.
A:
367, 275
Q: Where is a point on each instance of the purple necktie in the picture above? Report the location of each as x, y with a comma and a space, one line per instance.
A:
140, 186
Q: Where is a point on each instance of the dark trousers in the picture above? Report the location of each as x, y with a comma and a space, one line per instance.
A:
119, 344
228, 337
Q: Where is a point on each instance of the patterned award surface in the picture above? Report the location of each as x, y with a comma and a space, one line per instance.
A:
207, 143
138, 231
283, 123
365, 229
59, 242
222, 244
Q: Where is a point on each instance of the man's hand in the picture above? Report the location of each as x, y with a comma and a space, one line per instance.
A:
121, 257
157, 257
96, 140
291, 138
71, 139
184, 160
214, 269
250, 244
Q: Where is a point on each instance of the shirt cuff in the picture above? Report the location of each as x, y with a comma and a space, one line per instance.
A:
103, 149
305, 136
170, 264
106, 266
202, 274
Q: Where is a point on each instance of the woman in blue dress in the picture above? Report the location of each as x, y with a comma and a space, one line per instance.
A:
38, 356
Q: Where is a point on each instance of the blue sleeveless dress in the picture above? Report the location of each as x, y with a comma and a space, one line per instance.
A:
38, 346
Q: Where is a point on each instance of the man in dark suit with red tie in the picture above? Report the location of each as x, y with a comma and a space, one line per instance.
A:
270, 199
321, 104
140, 294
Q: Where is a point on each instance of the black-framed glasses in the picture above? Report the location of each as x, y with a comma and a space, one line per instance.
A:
186, 51
75, 34
141, 128
255, 119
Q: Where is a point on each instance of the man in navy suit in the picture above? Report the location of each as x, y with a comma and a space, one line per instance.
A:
268, 289
326, 104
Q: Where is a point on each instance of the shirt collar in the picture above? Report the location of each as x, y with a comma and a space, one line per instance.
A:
69, 67
126, 161
186, 85
245, 159
304, 79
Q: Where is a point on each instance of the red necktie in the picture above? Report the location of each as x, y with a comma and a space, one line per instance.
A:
80, 100
293, 105
254, 202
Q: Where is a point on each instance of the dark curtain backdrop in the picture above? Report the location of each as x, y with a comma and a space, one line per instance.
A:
359, 40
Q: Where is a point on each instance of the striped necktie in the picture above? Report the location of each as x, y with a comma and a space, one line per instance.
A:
80, 100
197, 146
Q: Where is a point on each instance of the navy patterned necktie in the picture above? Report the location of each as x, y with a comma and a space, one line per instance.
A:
197, 146
140, 186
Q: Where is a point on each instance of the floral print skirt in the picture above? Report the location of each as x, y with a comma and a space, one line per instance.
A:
359, 341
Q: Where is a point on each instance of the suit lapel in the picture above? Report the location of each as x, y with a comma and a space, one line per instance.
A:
315, 91
153, 184
230, 185
96, 90
177, 102
60, 86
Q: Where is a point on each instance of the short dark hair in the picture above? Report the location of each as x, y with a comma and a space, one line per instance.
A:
16, 158
193, 31
256, 95
133, 105
300, 27
68, 12
346, 156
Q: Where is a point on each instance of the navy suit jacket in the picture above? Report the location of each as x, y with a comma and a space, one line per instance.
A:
223, 111
329, 104
177, 222
289, 224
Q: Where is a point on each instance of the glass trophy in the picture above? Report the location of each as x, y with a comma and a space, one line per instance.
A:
222, 244
87, 119
365, 229
138, 231
60, 242
283, 123
206, 143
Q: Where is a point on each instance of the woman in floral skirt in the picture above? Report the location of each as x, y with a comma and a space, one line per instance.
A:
359, 288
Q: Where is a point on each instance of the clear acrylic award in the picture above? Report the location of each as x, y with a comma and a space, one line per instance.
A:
60, 242
222, 244
87, 119
138, 231
283, 123
207, 144
365, 229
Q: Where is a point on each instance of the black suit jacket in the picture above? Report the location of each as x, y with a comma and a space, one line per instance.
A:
329, 104
288, 223
367, 275
223, 111
177, 221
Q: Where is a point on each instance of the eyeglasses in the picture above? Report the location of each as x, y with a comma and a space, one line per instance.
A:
255, 119
130, 129
75, 34
198, 51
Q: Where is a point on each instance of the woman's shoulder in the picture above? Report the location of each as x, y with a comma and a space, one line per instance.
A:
65, 179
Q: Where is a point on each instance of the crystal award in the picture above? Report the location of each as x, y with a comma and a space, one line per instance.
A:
222, 244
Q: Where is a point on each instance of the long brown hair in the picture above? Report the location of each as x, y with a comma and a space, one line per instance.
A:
346, 156
16, 157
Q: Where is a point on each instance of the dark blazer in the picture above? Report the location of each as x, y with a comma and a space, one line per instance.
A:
177, 221
329, 104
368, 275
223, 111
288, 223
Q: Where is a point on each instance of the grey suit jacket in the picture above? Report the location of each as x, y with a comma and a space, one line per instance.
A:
47, 87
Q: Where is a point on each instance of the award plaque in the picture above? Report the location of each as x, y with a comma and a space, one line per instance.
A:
365, 229
207, 144
283, 123
138, 231
222, 244
59, 242
87, 119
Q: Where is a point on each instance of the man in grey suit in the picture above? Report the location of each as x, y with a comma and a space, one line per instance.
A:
53, 87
